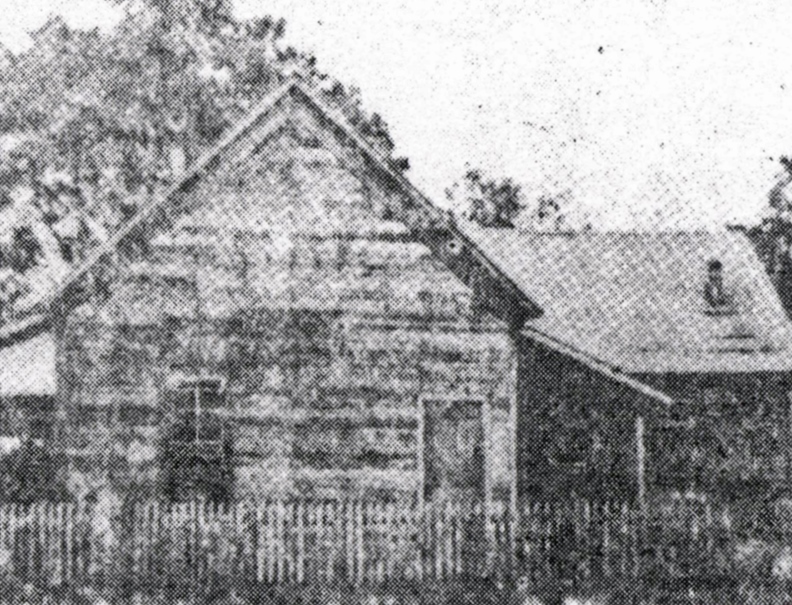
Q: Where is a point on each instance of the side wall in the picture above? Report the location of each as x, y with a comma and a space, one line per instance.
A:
316, 404
727, 435
576, 430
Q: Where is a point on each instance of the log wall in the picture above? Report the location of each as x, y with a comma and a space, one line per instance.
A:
293, 280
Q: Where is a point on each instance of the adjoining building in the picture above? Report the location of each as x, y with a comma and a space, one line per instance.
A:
693, 316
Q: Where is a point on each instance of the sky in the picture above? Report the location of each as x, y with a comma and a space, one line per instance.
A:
653, 114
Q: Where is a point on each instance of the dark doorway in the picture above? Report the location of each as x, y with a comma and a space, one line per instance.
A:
454, 451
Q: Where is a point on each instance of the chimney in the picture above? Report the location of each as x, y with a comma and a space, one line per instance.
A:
714, 291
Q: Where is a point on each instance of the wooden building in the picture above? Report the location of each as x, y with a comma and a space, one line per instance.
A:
27, 389
292, 318
689, 324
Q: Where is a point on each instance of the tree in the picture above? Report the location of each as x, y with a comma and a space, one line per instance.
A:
26, 250
772, 237
499, 203
489, 202
550, 211
112, 118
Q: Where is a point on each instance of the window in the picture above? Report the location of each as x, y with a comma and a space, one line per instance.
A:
196, 402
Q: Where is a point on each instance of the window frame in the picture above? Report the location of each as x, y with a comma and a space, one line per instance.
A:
198, 386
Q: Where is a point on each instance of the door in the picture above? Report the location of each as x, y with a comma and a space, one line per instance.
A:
454, 465
454, 471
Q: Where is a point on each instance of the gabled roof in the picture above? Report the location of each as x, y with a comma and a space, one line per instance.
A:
498, 268
635, 301
269, 106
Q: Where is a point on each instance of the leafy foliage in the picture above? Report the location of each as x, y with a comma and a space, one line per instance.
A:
500, 203
773, 236
489, 202
95, 124
550, 212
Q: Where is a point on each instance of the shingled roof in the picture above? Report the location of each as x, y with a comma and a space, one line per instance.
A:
635, 301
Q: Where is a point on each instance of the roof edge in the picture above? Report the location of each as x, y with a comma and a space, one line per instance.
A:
417, 195
191, 173
25, 329
598, 366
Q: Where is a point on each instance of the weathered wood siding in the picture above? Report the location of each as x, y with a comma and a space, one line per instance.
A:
576, 430
293, 277
726, 435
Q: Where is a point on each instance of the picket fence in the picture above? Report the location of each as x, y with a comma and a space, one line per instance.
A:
294, 542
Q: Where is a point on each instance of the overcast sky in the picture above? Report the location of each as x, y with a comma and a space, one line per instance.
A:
653, 113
